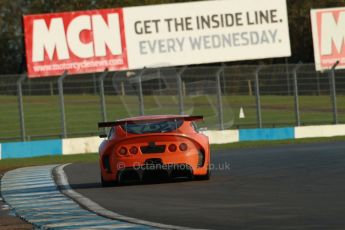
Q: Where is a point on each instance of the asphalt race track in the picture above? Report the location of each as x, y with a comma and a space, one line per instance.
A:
286, 187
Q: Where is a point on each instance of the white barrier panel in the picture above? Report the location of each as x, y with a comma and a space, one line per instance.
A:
222, 137
81, 145
319, 131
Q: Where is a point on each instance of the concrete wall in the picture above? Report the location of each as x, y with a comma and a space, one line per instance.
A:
80, 145
90, 144
319, 131
222, 137
31, 149
266, 134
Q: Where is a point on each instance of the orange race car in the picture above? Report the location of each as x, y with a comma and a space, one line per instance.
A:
153, 146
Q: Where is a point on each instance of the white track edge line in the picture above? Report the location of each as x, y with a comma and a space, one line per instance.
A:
62, 181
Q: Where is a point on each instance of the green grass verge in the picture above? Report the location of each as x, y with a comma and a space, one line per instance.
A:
8, 164
42, 113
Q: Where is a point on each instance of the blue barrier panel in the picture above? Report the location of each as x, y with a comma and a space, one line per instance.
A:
266, 134
31, 149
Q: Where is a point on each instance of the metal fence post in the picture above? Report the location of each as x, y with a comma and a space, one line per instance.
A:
94, 81
318, 83
62, 104
101, 93
296, 98
257, 97
141, 97
180, 90
287, 76
20, 107
334, 93
159, 81
219, 98
224, 79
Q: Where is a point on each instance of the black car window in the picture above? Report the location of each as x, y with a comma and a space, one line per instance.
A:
152, 127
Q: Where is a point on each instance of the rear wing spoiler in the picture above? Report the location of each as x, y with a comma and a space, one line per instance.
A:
122, 122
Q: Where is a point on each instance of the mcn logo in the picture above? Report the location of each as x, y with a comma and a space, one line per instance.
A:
333, 32
85, 36
78, 42
329, 37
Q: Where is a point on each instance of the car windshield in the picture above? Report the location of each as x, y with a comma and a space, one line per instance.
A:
152, 127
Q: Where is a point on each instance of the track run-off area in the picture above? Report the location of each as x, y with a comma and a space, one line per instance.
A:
298, 186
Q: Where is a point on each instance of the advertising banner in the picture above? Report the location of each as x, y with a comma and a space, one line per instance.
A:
328, 26
206, 32
78, 42
156, 36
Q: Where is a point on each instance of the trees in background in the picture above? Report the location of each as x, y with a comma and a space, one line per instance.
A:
11, 35
300, 27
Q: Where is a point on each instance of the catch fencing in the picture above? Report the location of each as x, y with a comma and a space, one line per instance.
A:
228, 96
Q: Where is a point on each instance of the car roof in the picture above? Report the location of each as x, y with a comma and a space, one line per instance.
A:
153, 117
